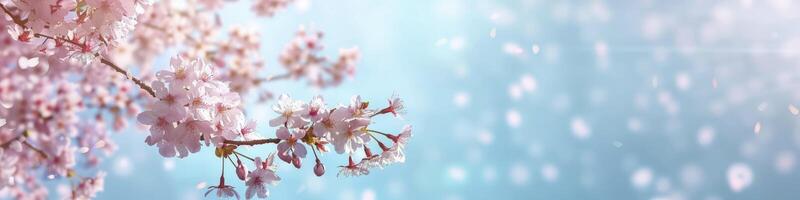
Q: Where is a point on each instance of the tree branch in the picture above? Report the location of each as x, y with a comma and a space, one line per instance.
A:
15, 18
252, 142
23, 142
105, 61
127, 75
5, 144
113, 66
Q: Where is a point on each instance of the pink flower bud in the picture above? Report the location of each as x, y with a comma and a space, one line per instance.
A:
296, 161
321, 146
383, 146
241, 171
367, 151
285, 156
319, 169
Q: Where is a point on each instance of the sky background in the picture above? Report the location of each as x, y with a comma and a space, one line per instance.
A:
534, 99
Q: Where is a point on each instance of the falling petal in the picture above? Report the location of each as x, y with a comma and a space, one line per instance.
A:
757, 128
793, 110
739, 177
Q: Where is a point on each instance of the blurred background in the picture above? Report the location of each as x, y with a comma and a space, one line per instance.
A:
535, 99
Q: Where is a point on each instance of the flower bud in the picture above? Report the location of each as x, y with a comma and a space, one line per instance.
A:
367, 151
285, 157
221, 180
319, 169
296, 161
241, 171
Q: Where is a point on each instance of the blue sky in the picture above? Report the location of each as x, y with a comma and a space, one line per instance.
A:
629, 100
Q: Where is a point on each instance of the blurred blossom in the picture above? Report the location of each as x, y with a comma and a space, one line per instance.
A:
739, 176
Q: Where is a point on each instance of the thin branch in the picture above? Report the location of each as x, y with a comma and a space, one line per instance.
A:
105, 61
273, 78
252, 142
113, 66
374, 131
127, 75
41, 153
17, 138
5, 144
15, 18
240, 154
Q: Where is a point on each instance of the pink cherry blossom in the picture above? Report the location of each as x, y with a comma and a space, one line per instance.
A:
350, 135
245, 129
223, 191
351, 169
160, 120
267, 8
263, 175
290, 112
78, 69
88, 187
315, 110
291, 145
395, 106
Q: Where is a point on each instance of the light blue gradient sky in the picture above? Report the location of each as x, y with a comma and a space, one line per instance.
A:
742, 46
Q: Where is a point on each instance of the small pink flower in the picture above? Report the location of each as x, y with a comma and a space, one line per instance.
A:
315, 111
351, 169
161, 121
290, 113
245, 130
263, 175
223, 191
395, 106
290, 147
351, 135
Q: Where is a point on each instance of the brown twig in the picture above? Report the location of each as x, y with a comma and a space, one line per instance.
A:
272, 78
105, 61
138, 82
17, 138
252, 142
113, 66
15, 18
5, 144
41, 153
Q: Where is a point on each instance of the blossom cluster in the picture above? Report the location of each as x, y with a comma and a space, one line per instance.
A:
301, 58
314, 126
40, 127
192, 106
170, 24
66, 80
267, 8
91, 26
346, 127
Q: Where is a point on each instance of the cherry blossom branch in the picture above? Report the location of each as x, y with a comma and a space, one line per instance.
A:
253, 142
113, 66
15, 18
105, 61
5, 144
127, 75
37, 150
